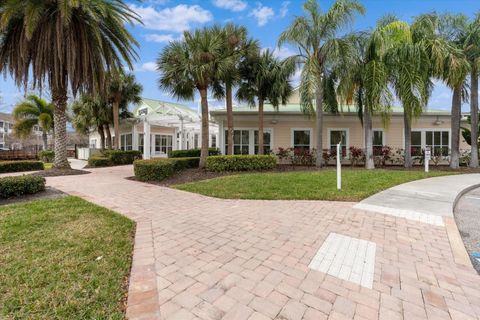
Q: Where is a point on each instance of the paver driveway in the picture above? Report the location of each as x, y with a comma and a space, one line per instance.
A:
202, 258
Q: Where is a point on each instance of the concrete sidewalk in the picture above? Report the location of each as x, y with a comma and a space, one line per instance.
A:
425, 200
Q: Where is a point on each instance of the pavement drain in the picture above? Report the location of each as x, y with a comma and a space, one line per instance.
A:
346, 258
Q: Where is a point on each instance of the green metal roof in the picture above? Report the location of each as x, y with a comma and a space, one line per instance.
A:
296, 108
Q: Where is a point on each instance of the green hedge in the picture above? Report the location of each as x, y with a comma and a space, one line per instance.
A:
241, 163
95, 162
46, 155
159, 169
192, 153
20, 185
120, 157
19, 166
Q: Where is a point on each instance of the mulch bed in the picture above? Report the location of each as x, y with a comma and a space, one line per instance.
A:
49, 193
59, 172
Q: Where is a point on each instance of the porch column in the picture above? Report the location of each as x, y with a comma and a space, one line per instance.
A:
146, 140
221, 136
134, 137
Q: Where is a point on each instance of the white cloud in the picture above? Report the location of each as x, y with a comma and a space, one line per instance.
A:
284, 8
161, 38
296, 77
146, 67
232, 5
262, 14
176, 19
281, 53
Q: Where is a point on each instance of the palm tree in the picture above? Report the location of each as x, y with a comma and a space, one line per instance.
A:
123, 90
315, 35
265, 78
68, 45
33, 111
91, 112
195, 63
364, 78
471, 46
411, 70
236, 45
457, 67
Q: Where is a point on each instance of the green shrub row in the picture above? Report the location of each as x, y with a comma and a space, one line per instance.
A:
159, 169
241, 163
20, 185
192, 153
46, 155
19, 166
97, 161
120, 157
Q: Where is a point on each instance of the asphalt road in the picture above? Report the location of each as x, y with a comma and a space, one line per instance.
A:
467, 217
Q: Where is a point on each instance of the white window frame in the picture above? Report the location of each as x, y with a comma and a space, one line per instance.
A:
93, 143
383, 135
424, 138
347, 139
123, 140
154, 146
251, 138
292, 130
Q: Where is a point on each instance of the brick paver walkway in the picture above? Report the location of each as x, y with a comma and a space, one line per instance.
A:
202, 258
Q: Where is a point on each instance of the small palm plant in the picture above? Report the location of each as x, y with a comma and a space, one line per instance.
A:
196, 63
33, 111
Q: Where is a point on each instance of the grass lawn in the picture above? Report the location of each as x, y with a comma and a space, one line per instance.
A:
50, 265
305, 185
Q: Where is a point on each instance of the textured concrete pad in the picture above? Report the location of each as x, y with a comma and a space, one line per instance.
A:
346, 258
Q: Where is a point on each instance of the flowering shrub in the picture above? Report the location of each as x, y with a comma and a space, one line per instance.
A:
283, 154
356, 155
327, 156
303, 157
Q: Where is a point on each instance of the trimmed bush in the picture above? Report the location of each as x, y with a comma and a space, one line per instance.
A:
159, 169
192, 153
20, 185
241, 163
120, 157
19, 166
95, 162
46, 155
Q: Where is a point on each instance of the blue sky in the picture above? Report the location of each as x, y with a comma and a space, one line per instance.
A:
165, 20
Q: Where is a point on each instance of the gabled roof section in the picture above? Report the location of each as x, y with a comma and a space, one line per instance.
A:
160, 109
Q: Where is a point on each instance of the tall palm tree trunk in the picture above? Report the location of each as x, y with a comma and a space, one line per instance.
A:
45, 139
407, 133
368, 127
474, 117
228, 93
59, 98
109, 136
260, 125
204, 150
455, 127
101, 133
116, 122
319, 123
